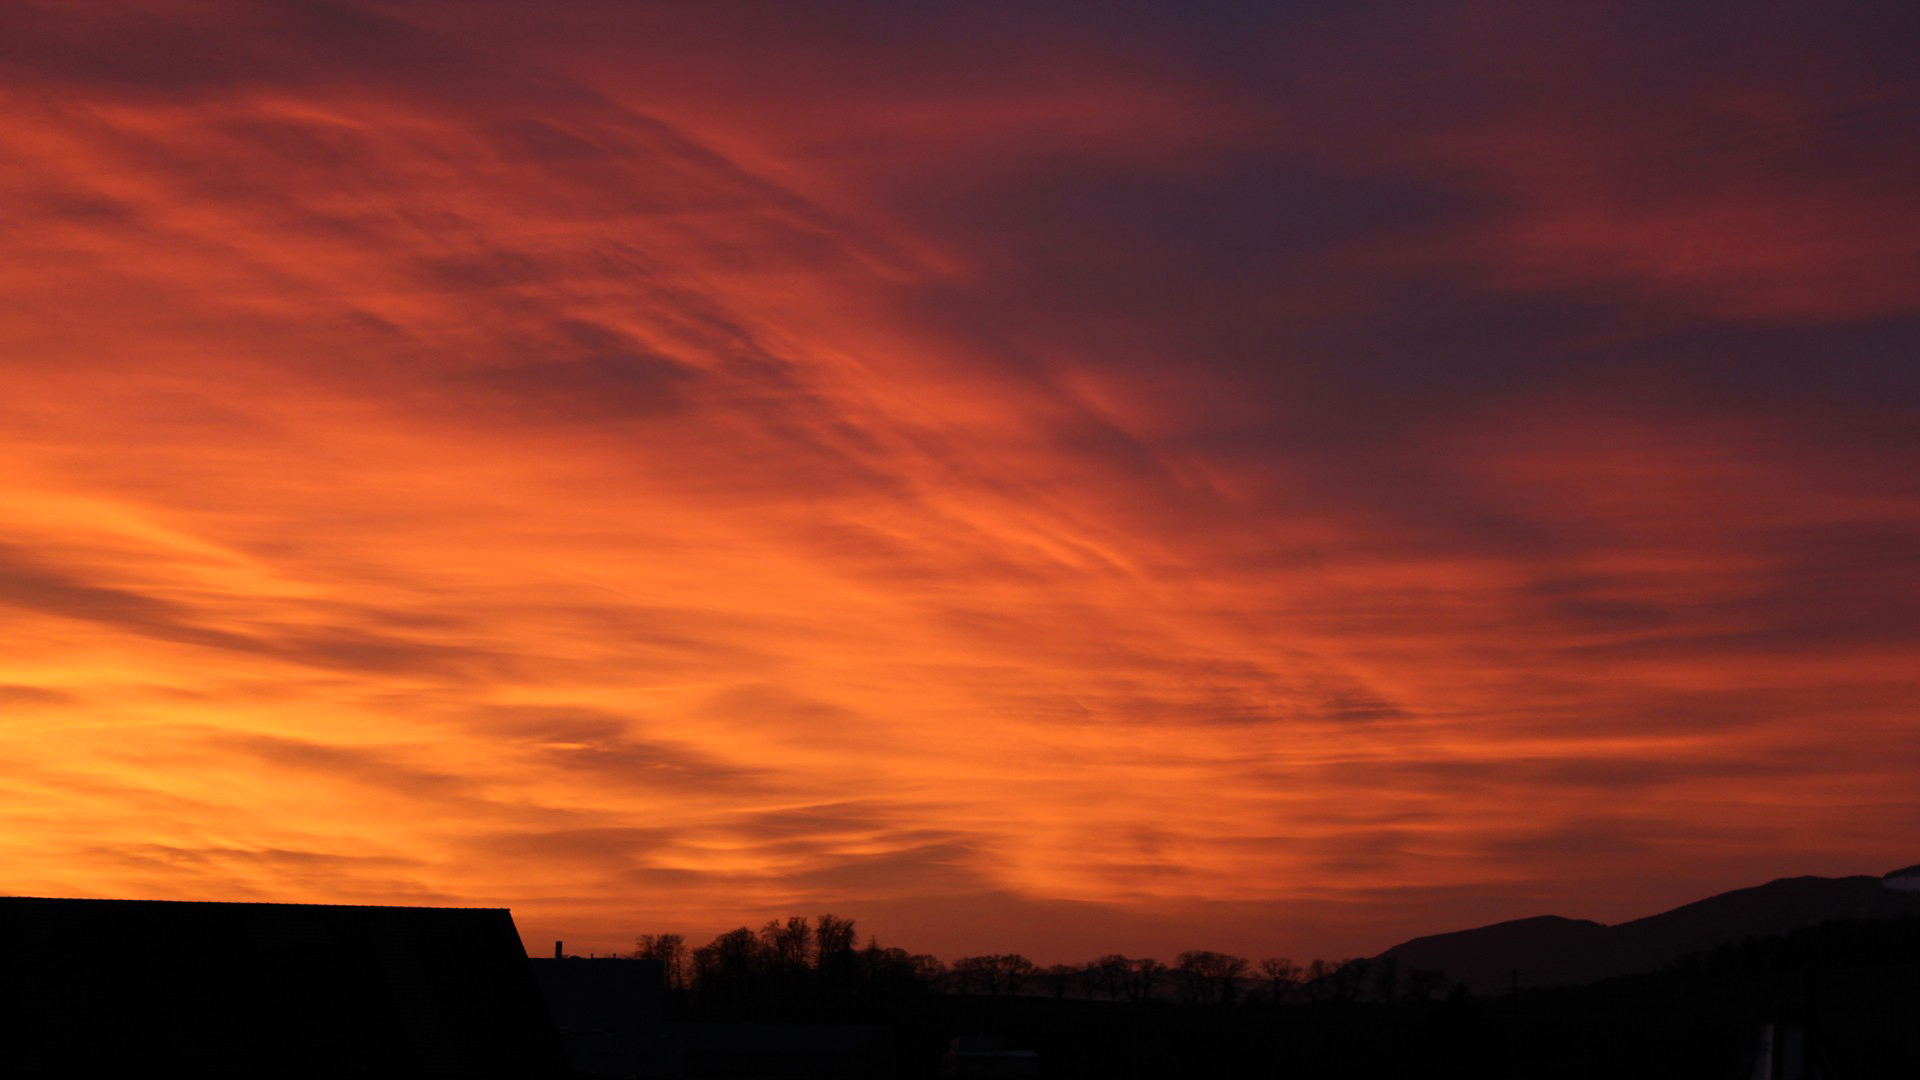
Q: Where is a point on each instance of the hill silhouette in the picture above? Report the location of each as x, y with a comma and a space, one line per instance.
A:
1549, 950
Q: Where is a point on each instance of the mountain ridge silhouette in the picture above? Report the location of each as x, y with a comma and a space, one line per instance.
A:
1551, 950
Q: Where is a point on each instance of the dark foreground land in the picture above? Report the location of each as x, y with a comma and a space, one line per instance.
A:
1850, 990
115, 988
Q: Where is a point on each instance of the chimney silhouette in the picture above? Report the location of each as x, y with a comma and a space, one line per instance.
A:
556, 951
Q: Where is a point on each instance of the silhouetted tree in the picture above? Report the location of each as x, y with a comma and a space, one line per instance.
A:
786, 959
1145, 978
972, 975
928, 969
789, 944
1317, 983
726, 970
994, 974
1349, 981
1110, 976
833, 937
1208, 978
667, 950
833, 955
1060, 979
1016, 971
791, 969
1280, 973
1386, 979
888, 974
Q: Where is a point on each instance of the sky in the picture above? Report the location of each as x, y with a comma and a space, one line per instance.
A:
1078, 478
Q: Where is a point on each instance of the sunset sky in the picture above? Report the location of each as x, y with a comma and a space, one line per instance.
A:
1071, 478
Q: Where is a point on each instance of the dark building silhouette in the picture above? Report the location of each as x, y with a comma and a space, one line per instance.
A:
612, 1018
123, 988
611, 1013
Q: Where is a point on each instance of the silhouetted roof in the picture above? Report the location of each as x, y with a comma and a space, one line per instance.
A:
148, 987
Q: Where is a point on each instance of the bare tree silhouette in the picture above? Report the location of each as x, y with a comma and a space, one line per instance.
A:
1281, 974
1209, 978
993, 974
1145, 979
667, 950
1110, 976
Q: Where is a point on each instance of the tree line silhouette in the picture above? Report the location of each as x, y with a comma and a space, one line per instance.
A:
1848, 983
794, 966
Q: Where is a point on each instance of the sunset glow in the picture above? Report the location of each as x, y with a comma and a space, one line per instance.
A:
1118, 480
